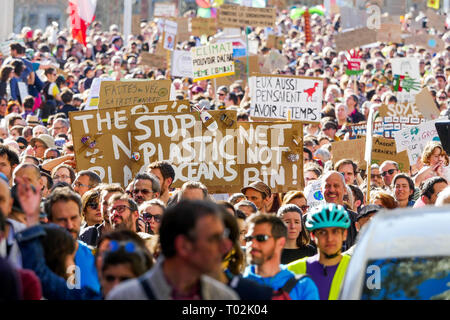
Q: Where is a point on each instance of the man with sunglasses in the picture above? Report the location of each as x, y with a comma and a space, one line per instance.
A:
264, 243
388, 171
146, 187
123, 212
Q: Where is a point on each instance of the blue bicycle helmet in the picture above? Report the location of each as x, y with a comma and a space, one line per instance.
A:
328, 215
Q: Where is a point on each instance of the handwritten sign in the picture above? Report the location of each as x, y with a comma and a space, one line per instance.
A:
129, 93
355, 38
414, 139
197, 151
182, 64
407, 74
212, 61
201, 26
386, 149
273, 95
164, 9
426, 105
229, 15
102, 138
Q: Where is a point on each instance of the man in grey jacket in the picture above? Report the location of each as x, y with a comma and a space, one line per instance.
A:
193, 241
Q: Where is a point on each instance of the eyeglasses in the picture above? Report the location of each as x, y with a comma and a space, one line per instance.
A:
47, 158
62, 177
93, 205
442, 97
22, 147
258, 237
221, 94
143, 191
119, 209
390, 172
377, 100
149, 216
375, 176
111, 278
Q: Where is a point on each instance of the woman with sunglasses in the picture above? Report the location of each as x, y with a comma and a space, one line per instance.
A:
90, 209
150, 215
297, 244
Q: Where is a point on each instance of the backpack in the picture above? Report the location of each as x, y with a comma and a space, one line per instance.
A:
283, 292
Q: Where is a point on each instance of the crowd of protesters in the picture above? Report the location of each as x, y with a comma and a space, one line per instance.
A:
66, 234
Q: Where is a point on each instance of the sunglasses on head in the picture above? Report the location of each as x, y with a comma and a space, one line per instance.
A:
258, 237
390, 172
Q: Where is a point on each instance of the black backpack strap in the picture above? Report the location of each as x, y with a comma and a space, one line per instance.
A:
147, 289
292, 282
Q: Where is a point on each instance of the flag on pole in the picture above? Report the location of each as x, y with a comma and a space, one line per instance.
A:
81, 16
433, 4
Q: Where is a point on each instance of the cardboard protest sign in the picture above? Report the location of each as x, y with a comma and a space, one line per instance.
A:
385, 149
349, 149
229, 15
102, 138
273, 95
201, 26
272, 61
128, 93
355, 38
398, 116
390, 32
153, 60
170, 33
271, 152
396, 7
435, 20
212, 61
429, 42
198, 149
94, 92
426, 105
164, 9
136, 24
414, 139
182, 64
183, 33
274, 41
240, 71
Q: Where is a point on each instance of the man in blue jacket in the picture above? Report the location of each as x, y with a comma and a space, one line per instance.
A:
265, 240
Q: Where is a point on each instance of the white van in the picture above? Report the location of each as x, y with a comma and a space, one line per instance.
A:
401, 254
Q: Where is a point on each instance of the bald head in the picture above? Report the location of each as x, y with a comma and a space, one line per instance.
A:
333, 187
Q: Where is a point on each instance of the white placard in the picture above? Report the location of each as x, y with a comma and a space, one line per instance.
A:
274, 96
165, 10
182, 64
170, 32
212, 61
407, 67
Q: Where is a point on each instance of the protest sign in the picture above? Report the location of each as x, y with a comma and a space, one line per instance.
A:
94, 93
234, 16
170, 33
201, 26
349, 149
212, 61
128, 93
182, 64
398, 116
273, 95
406, 78
102, 138
271, 152
430, 42
199, 149
390, 32
153, 60
435, 20
273, 61
136, 24
355, 38
396, 7
274, 41
183, 33
414, 138
385, 149
426, 105
240, 71
164, 9
352, 16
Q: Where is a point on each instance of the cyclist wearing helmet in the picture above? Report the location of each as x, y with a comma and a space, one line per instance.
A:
328, 224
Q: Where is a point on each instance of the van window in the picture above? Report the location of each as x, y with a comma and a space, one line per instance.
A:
417, 278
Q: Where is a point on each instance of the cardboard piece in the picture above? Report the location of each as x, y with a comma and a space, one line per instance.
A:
182, 64
272, 61
274, 41
129, 93
385, 149
269, 154
164, 9
136, 24
355, 38
109, 128
426, 105
201, 26
396, 7
273, 95
240, 69
196, 152
234, 16
349, 149
414, 139
429, 42
183, 33
212, 61
153, 60
435, 20
390, 32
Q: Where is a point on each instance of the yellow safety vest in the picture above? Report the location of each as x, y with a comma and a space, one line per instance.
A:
299, 267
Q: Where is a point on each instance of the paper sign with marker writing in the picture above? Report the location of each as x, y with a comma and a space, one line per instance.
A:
406, 78
201, 26
234, 16
273, 96
200, 146
129, 93
212, 61
385, 149
355, 38
414, 139
435, 20
165, 9
102, 138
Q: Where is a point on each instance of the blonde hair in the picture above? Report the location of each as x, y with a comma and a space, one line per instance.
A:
429, 149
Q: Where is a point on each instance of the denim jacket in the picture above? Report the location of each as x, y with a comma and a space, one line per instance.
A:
54, 287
